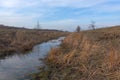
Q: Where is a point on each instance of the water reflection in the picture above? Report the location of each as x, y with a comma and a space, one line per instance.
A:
17, 66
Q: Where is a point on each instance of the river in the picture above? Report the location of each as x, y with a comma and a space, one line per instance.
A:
18, 66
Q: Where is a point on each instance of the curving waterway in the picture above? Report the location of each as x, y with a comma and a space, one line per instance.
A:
18, 66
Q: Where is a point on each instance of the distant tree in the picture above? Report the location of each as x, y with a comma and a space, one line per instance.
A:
38, 25
92, 25
78, 29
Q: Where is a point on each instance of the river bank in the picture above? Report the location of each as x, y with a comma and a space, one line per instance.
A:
21, 40
88, 55
20, 66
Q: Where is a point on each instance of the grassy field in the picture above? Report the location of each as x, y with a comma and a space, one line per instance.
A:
21, 39
87, 55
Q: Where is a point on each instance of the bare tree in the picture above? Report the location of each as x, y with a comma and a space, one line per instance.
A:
78, 29
38, 25
92, 25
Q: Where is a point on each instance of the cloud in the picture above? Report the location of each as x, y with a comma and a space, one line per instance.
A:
108, 8
12, 18
71, 3
49, 3
8, 3
17, 3
65, 24
57, 13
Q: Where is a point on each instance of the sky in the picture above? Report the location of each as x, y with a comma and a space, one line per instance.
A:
59, 14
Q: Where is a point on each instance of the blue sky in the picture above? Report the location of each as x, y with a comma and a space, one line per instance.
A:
59, 14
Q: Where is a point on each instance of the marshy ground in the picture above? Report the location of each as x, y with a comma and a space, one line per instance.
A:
87, 55
20, 39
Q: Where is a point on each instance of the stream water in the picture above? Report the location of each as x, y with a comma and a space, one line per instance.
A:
18, 66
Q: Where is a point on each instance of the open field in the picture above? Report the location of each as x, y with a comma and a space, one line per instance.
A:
20, 39
87, 55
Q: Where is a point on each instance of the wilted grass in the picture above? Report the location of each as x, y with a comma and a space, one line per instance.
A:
20, 40
89, 55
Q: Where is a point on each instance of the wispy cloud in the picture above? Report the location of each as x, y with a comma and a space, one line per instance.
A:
17, 3
58, 12
71, 3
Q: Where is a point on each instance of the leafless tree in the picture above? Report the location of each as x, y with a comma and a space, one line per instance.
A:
78, 29
38, 25
92, 25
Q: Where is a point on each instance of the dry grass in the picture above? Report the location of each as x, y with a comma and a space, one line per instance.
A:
20, 40
89, 55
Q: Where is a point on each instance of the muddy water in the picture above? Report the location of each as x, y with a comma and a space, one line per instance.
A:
17, 67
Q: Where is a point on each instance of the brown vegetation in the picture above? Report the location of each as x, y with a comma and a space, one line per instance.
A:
89, 55
20, 39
